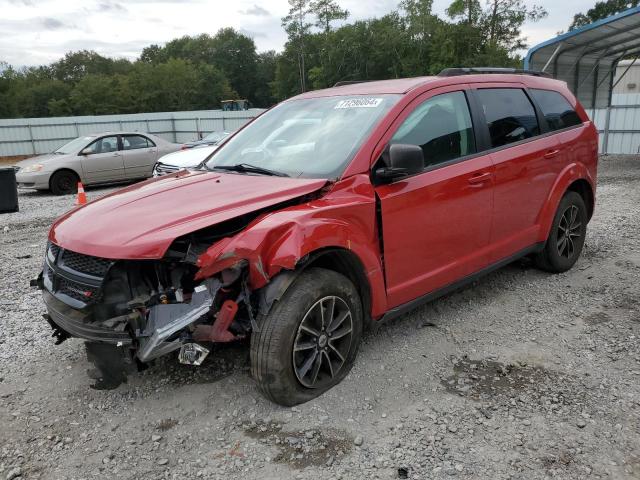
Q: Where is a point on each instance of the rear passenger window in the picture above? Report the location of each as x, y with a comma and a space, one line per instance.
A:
556, 109
441, 126
509, 114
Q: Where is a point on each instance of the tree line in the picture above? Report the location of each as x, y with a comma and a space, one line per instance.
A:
323, 47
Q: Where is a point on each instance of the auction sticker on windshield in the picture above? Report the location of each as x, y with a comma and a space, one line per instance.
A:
359, 103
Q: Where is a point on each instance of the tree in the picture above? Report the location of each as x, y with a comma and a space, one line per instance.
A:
602, 10
467, 11
76, 65
503, 19
298, 27
228, 50
327, 11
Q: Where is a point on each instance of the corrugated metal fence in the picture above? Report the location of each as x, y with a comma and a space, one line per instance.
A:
619, 125
29, 136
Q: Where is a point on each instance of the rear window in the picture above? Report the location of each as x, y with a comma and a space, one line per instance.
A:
556, 109
510, 115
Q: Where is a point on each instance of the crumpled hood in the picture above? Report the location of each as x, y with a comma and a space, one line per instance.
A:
141, 221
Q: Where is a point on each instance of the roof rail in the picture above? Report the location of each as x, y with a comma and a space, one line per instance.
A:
454, 72
342, 83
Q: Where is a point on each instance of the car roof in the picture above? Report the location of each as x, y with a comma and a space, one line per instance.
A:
122, 132
405, 85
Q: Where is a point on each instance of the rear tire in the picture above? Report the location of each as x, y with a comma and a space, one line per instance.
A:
567, 235
64, 182
321, 316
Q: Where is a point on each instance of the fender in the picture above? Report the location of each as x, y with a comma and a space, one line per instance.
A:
571, 173
343, 218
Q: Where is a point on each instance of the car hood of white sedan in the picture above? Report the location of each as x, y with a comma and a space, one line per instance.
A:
191, 157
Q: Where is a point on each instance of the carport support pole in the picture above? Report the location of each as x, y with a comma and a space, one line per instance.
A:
605, 141
624, 73
33, 143
553, 55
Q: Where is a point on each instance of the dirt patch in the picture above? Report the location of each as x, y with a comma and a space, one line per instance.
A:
485, 379
313, 447
167, 424
13, 159
597, 318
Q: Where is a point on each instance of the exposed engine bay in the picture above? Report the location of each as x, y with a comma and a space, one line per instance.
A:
150, 307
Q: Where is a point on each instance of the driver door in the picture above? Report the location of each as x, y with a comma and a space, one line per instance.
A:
102, 161
436, 225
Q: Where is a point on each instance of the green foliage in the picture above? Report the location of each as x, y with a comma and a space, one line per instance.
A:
198, 72
602, 10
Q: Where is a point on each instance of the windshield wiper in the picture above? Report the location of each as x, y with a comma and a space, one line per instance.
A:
245, 167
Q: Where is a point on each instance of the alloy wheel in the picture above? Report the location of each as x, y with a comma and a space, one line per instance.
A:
569, 230
322, 342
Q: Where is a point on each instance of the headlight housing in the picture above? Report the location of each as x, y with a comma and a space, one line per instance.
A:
36, 167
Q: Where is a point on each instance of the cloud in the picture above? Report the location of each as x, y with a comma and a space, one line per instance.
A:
50, 23
109, 6
256, 10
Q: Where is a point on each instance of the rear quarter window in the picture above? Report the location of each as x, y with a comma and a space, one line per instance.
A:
556, 109
509, 114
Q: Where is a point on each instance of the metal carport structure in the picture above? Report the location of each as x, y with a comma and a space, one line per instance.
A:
587, 59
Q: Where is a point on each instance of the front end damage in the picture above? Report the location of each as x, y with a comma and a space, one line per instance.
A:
150, 307
211, 285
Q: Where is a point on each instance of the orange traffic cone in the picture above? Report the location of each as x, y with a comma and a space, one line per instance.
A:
81, 198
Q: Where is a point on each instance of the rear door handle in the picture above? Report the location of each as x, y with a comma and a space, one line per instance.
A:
480, 178
551, 153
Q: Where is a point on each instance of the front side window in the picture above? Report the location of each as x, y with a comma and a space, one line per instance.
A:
74, 146
441, 126
510, 115
556, 109
104, 145
133, 142
308, 138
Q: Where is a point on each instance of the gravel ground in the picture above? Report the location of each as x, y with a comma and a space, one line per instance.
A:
524, 375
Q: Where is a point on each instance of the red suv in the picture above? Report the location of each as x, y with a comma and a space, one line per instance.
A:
334, 210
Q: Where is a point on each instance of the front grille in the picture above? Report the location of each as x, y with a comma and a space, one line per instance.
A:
86, 264
74, 276
164, 169
77, 291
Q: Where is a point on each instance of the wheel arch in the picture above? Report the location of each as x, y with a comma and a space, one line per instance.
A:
64, 169
583, 188
575, 177
337, 259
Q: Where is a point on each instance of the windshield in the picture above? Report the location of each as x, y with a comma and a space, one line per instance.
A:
216, 136
311, 138
74, 146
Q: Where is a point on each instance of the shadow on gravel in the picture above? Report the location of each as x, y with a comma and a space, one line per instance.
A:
223, 361
312, 447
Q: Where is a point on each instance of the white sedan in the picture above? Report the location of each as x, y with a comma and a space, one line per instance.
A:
175, 161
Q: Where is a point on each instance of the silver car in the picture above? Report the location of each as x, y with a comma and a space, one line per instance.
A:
93, 159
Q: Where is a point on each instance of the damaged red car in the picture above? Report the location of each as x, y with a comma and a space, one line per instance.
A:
332, 211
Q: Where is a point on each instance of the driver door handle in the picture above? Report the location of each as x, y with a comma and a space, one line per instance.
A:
480, 178
552, 153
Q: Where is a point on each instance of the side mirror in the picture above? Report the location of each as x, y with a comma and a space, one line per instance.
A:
404, 160
86, 151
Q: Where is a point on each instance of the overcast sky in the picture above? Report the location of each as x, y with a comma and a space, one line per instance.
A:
35, 32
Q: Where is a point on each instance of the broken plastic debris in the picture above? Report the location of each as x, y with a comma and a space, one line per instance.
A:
192, 354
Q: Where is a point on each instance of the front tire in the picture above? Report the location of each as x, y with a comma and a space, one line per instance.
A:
567, 235
309, 340
64, 182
